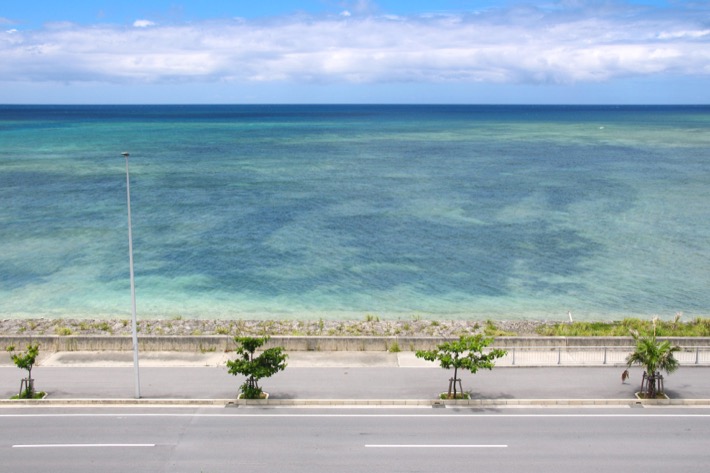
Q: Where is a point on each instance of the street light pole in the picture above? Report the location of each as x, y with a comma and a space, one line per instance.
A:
134, 324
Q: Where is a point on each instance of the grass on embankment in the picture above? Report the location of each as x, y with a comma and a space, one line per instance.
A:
699, 327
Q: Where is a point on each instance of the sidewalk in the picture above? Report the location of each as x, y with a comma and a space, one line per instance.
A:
326, 378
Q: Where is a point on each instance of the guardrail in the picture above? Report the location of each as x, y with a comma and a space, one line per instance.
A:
593, 356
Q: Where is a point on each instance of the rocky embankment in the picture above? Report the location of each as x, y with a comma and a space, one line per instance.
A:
369, 326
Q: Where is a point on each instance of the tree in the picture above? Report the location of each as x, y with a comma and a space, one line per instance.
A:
465, 353
26, 361
655, 356
266, 364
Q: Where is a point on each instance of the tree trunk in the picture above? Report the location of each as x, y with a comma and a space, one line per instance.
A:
651, 387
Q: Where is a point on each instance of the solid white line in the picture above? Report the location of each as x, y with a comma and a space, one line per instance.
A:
472, 415
86, 445
436, 446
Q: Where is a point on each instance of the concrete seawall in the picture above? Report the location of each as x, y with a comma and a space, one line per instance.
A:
313, 343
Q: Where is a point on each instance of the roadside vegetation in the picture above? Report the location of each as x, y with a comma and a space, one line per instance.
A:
255, 367
369, 326
655, 356
468, 353
699, 327
26, 361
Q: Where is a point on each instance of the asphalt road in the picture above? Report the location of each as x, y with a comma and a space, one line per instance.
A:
355, 440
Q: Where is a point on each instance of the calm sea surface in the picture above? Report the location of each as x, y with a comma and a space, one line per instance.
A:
443, 212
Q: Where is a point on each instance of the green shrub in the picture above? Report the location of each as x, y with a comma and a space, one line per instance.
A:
104, 327
491, 330
63, 331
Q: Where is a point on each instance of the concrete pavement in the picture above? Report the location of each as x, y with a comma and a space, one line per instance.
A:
335, 378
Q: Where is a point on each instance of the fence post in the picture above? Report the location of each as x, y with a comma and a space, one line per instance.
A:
513, 355
697, 355
604, 356
559, 355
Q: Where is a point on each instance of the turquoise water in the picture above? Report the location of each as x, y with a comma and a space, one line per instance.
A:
340, 211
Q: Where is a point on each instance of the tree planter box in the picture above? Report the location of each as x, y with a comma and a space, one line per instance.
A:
43, 396
263, 396
658, 396
459, 396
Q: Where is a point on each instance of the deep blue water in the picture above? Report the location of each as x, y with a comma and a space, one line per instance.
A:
338, 211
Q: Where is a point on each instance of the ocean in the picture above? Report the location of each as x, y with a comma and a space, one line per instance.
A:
344, 211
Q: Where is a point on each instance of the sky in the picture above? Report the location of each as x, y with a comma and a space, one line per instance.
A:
355, 51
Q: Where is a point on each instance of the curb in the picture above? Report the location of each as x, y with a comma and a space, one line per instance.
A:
350, 402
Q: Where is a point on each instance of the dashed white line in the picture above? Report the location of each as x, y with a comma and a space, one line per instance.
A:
436, 446
86, 445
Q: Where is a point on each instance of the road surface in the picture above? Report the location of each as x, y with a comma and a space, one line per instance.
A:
216, 440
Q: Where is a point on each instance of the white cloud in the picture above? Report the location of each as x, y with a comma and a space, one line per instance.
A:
684, 34
143, 23
527, 45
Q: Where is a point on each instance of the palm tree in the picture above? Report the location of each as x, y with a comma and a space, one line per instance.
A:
655, 356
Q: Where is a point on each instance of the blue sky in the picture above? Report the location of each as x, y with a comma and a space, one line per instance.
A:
360, 51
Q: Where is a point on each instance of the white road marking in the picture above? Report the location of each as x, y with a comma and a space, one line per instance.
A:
86, 445
472, 415
436, 446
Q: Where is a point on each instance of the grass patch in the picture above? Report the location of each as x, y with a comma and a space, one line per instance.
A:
104, 327
25, 395
63, 331
699, 327
491, 330
446, 396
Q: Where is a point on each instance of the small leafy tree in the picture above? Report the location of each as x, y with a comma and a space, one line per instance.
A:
655, 356
26, 361
465, 353
266, 364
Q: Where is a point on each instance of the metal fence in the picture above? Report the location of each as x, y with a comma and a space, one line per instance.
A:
592, 356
